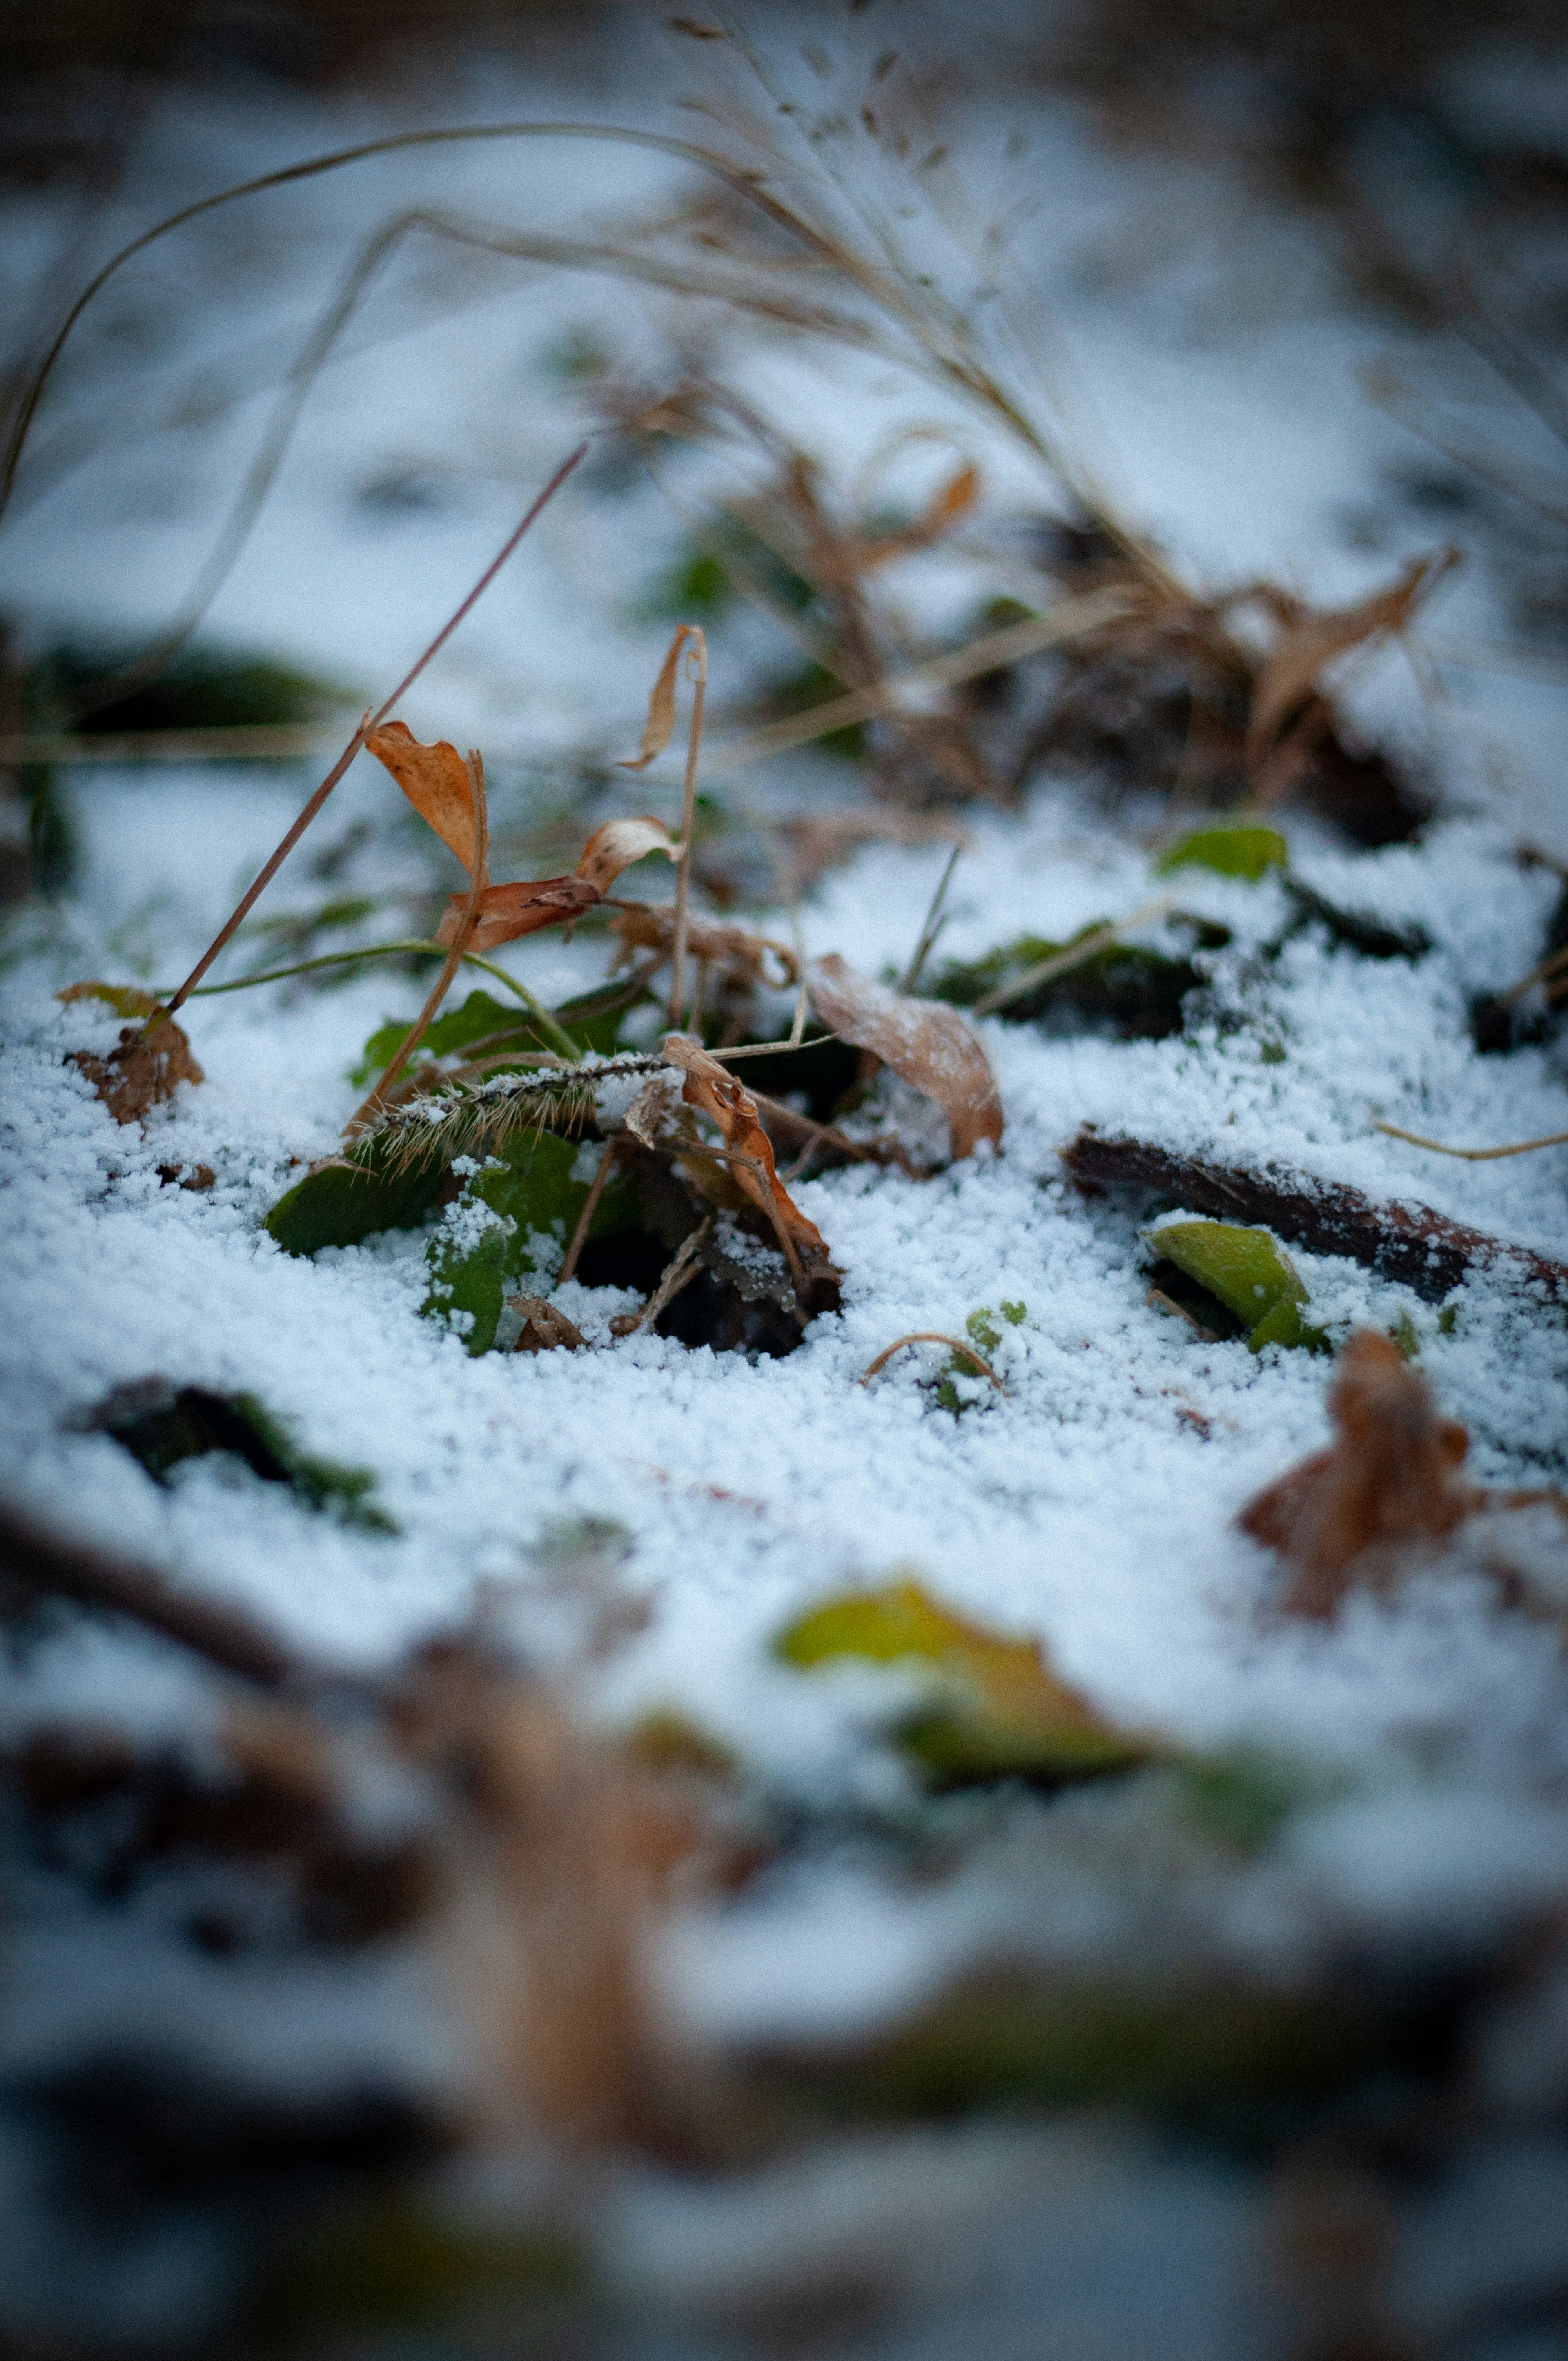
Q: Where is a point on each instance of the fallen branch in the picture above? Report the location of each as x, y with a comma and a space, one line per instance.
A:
1412, 1243
54, 1567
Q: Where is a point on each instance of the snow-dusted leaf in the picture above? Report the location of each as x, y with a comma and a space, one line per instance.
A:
353, 1196
437, 782
147, 1063
926, 1043
616, 843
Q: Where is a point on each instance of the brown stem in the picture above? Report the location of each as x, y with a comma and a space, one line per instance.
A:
372, 1103
595, 1190
931, 1336
57, 1568
271, 868
697, 646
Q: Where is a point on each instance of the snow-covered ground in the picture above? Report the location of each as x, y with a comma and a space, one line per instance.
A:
1091, 1504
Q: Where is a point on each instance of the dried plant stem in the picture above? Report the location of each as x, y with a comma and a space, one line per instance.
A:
607, 1164
269, 869
1073, 956
370, 1106
1475, 1155
1543, 973
696, 657
931, 1336
677, 1271
932, 925
1070, 620
536, 1009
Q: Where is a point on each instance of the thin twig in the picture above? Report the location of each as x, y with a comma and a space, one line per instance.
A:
802, 1003
1553, 964
595, 1190
371, 1104
269, 869
932, 924
680, 1268
1070, 620
1073, 956
696, 657
1475, 1155
931, 1336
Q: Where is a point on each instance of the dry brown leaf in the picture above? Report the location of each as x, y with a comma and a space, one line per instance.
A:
434, 779
505, 912
739, 956
1310, 639
508, 911
659, 726
925, 1042
951, 503
713, 1091
1387, 1483
559, 1855
544, 1329
618, 843
143, 1069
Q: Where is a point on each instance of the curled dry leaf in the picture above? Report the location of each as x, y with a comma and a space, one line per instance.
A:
616, 843
926, 1043
541, 1328
147, 1065
949, 506
659, 726
1388, 1482
437, 782
506, 912
1310, 639
713, 1091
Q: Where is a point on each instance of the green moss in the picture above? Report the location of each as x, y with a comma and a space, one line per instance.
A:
1138, 991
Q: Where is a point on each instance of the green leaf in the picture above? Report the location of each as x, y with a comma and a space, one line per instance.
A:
354, 1197
1236, 849
1248, 1271
483, 1248
481, 1016
996, 1709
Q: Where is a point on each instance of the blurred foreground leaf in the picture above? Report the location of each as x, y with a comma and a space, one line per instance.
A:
997, 1709
1239, 849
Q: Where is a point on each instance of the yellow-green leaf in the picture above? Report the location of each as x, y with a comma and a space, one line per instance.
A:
1250, 1273
1233, 850
996, 1709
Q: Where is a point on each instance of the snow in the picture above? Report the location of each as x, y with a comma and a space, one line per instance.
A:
1091, 1504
